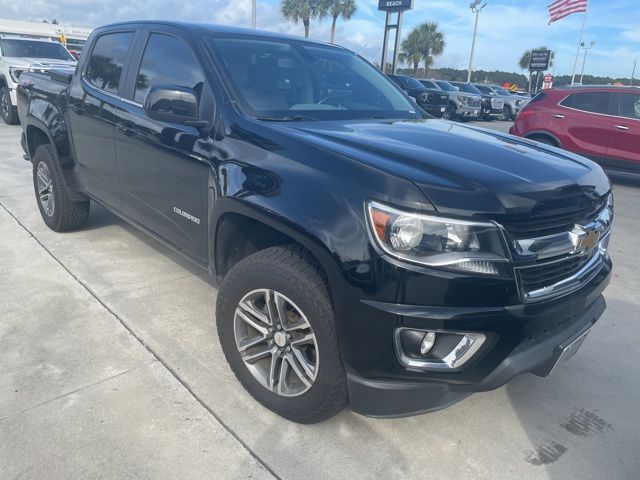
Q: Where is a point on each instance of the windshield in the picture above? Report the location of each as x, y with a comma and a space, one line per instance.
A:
34, 49
485, 90
285, 79
502, 91
413, 83
446, 86
467, 87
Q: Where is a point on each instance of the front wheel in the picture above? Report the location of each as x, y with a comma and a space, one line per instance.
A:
449, 112
506, 113
277, 330
7, 110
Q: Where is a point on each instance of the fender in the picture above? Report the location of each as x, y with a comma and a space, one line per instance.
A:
50, 121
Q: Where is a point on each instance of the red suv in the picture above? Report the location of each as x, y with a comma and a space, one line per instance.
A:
602, 123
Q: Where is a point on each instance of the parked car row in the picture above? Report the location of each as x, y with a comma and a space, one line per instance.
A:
464, 101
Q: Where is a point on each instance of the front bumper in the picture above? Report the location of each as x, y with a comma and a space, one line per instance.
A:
521, 338
436, 110
467, 111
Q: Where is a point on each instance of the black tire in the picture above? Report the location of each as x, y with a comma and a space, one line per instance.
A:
506, 113
450, 112
7, 111
292, 272
64, 215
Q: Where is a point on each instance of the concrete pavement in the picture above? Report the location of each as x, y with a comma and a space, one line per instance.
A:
110, 368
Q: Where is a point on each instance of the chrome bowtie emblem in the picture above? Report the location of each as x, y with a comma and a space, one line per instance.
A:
584, 239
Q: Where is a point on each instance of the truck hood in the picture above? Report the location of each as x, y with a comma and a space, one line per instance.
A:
463, 170
38, 62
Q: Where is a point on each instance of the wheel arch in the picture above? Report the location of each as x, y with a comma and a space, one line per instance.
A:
535, 134
239, 229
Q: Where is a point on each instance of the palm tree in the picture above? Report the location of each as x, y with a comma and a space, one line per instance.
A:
340, 8
432, 43
304, 10
410, 50
423, 43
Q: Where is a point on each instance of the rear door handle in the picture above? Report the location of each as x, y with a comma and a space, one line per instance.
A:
557, 115
621, 127
128, 131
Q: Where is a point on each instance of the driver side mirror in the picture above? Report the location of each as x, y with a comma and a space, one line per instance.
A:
172, 104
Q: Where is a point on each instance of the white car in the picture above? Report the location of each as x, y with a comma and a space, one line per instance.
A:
18, 54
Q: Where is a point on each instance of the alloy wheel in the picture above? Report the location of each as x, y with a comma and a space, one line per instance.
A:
276, 342
4, 104
45, 189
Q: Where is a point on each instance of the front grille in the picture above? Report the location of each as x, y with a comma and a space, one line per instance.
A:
540, 225
545, 275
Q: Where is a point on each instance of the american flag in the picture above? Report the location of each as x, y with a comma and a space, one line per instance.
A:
561, 8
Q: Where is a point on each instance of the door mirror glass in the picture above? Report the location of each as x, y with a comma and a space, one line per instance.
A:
170, 103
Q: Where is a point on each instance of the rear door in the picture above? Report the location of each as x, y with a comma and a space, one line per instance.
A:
624, 144
583, 122
93, 98
164, 167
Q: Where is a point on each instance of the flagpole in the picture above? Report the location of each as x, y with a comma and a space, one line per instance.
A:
575, 64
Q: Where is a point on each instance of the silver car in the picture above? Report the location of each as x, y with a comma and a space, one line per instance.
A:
512, 103
462, 105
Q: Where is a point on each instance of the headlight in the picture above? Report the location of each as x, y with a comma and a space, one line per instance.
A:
15, 73
436, 241
465, 100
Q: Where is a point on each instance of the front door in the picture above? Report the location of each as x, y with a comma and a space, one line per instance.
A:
93, 97
163, 167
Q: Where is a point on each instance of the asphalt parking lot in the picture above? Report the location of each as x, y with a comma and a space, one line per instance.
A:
110, 368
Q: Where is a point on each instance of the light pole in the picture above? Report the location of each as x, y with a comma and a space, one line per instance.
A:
253, 13
475, 9
584, 60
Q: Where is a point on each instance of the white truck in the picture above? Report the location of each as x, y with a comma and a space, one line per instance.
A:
19, 54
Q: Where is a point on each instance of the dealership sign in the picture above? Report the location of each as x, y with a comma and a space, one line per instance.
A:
539, 60
395, 5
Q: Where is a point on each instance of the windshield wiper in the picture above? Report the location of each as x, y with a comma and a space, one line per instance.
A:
288, 118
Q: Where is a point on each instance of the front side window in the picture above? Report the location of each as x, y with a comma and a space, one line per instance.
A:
594, 102
183, 70
285, 78
34, 49
107, 59
629, 105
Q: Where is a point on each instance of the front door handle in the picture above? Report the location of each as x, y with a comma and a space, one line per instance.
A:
128, 131
557, 115
621, 127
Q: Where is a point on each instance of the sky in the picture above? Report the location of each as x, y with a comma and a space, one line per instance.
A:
506, 28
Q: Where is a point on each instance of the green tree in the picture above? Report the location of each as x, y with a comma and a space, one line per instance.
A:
340, 8
304, 10
422, 44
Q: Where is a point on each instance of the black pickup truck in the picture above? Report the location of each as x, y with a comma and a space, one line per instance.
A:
431, 100
364, 254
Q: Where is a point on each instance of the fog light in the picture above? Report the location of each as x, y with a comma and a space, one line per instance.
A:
428, 342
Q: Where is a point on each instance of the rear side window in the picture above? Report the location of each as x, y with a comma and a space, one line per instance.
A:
594, 102
182, 70
537, 98
107, 59
629, 105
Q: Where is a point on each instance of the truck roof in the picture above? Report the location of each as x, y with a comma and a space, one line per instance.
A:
214, 28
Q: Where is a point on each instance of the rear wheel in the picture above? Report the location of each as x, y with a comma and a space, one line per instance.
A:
7, 111
58, 211
277, 330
